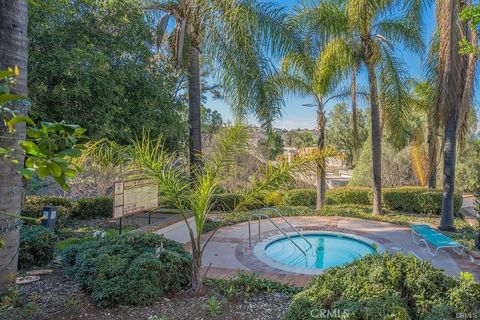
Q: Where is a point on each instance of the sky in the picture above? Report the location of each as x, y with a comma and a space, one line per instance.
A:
297, 116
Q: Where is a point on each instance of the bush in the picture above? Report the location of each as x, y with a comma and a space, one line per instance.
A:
416, 199
101, 206
396, 167
130, 269
352, 195
35, 211
245, 283
49, 200
37, 246
300, 197
387, 287
225, 201
273, 199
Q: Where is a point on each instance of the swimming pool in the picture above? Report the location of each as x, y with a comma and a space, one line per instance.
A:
329, 249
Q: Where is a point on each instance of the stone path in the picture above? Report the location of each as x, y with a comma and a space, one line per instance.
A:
228, 250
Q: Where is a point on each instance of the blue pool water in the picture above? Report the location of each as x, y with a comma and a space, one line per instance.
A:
327, 251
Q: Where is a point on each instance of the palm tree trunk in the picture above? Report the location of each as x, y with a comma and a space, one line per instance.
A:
13, 51
449, 157
432, 158
197, 281
451, 95
194, 115
320, 171
356, 136
376, 138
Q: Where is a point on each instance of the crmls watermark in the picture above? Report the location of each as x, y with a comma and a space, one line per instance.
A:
467, 315
329, 314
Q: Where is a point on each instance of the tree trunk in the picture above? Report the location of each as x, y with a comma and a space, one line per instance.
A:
432, 157
194, 115
320, 172
197, 281
376, 136
449, 157
13, 52
356, 136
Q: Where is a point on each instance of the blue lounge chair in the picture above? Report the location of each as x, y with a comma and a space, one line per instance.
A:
435, 238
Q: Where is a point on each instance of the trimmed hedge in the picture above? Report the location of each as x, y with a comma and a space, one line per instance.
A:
49, 200
416, 199
101, 206
408, 199
353, 195
273, 199
225, 201
387, 287
130, 269
300, 197
35, 211
37, 246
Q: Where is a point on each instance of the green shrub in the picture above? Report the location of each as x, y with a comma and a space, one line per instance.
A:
49, 200
37, 246
101, 206
430, 202
130, 269
353, 195
245, 283
33, 208
225, 201
300, 197
273, 199
35, 211
416, 199
387, 287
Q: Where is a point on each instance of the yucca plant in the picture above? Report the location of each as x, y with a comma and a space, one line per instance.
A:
195, 195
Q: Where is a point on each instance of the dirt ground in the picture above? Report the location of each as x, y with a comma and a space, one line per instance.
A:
55, 297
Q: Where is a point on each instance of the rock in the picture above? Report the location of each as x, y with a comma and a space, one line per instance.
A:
27, 279
39, 272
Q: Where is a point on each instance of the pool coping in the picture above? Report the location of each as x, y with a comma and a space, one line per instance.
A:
259, 250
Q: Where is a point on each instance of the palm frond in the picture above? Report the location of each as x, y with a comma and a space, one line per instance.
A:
394, 96
275, 176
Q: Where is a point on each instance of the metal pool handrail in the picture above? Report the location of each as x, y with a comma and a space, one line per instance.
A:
260, 215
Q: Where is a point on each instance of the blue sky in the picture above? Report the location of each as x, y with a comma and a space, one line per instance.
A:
297, 116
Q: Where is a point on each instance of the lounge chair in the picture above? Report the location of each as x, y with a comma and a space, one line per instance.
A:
435, 238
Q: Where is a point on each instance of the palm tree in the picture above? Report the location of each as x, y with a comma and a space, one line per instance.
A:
197, 195
454, 93
298, 75
13, 52
233, 37
365, 29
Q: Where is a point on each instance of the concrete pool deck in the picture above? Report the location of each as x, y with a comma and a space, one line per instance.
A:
228, 250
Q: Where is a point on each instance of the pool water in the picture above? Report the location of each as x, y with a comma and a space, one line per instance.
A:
327, 251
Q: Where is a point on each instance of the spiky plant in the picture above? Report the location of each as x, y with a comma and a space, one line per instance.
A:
196, 196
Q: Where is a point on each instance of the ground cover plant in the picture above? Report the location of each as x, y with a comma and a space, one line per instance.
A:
130, 269
387, 287
37, 247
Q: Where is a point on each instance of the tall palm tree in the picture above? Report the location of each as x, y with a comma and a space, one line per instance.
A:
454, 93
370, 31
298, 75
13, 52
234, 37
